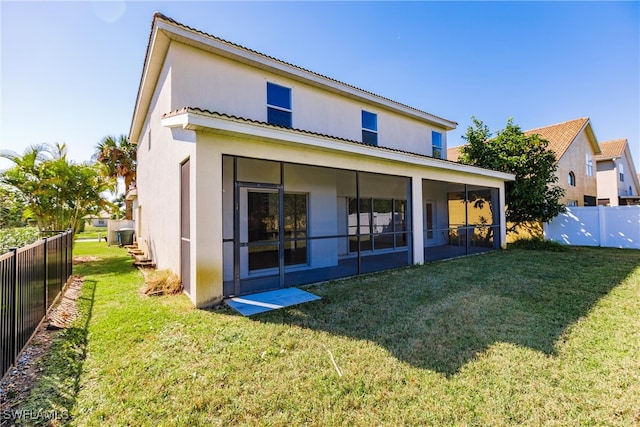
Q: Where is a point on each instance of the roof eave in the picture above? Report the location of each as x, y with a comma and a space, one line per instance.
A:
212, 122
154, 59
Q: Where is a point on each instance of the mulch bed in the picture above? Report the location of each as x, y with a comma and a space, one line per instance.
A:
16, 386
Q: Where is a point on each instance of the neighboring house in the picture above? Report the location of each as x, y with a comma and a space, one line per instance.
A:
255, 174
100, 220
617, 177
575, 146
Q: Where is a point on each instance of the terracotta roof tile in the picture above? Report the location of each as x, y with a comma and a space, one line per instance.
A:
613, 148
560, 135
185, 110
453, 153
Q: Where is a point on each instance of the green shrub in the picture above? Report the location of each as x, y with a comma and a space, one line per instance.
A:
538, 243
17, 237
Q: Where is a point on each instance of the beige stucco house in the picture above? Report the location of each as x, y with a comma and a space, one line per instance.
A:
255, 174
576, 147
617, 177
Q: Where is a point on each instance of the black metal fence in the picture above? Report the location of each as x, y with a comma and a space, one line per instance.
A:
31, 277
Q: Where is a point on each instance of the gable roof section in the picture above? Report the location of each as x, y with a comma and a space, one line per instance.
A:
561, 135
164, 30
612, 149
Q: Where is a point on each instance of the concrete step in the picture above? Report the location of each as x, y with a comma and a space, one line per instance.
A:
147, 263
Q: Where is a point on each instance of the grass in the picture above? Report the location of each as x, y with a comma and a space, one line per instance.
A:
91, 232
517, 337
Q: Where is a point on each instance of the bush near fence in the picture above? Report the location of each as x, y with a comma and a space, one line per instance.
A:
31, 278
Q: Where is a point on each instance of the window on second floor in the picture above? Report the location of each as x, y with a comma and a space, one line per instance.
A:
572, 203
369, 128
278, 105
621, 172
589, 162
436, 144
572, 179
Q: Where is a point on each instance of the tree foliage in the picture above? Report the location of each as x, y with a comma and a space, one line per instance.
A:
119, 156
12, 208
534, 195
56, 191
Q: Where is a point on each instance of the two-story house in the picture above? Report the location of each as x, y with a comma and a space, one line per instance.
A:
617, 177
255, 174
575, 147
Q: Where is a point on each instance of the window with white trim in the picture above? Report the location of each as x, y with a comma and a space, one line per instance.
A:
369, 128
436, 144
589, 162
572, 179
278, 105
572, 203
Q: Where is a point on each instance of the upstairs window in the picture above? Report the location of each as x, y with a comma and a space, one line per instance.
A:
369, 128
278, 105
436, 144
572, 203
589, 162
621, 172
572, 179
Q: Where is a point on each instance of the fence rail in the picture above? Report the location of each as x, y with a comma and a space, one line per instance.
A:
31, 278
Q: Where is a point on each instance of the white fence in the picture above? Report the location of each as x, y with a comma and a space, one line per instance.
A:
608, 226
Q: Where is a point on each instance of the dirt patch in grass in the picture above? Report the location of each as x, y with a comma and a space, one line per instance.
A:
17, 385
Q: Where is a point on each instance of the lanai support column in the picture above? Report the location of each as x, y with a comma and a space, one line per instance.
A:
416, 217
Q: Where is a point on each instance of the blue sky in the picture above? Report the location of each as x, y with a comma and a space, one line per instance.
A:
70, 70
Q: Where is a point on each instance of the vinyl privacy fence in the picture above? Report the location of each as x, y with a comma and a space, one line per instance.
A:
607, 226
31, 278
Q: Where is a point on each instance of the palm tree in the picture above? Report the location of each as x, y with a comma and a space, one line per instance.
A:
57, 192
118, 155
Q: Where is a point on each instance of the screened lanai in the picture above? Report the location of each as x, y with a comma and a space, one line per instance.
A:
459, 219
287, 224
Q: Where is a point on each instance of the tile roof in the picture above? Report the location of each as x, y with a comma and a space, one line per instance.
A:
560, 135
159, 15
197, 110
613, 148
453, 153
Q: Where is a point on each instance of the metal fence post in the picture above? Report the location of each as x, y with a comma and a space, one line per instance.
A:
46, 275
14, 318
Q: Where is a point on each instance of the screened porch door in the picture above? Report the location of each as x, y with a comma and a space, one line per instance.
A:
261, 242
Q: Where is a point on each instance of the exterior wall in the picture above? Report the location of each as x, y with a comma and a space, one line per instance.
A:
207, 246
218, 84
160, 152
573, 160
609, 184
629, 175
608, 181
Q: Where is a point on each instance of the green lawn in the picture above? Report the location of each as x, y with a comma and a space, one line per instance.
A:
517, 337
91, 232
